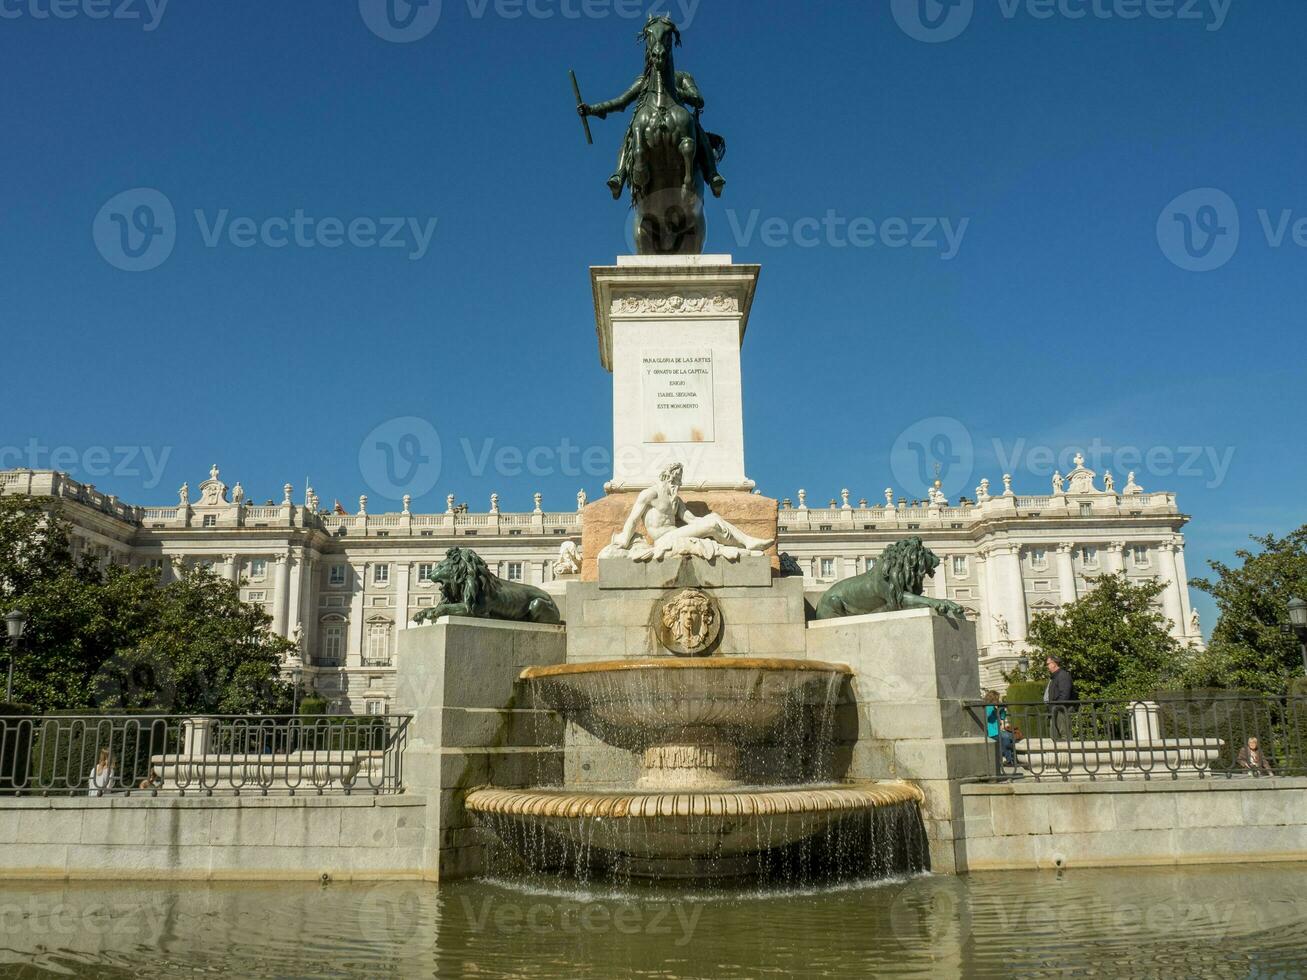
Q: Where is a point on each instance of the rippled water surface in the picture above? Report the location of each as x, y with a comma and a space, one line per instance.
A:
1235, 921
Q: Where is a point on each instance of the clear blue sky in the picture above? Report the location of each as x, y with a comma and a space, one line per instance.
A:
1061, 318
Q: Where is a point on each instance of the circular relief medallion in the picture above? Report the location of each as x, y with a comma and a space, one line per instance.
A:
689, 623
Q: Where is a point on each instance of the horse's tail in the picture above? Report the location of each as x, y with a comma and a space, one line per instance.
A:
718, 146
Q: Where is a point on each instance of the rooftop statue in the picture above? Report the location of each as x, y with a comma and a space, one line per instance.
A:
666, 157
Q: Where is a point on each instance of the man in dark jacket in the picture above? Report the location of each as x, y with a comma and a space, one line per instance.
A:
1059, 695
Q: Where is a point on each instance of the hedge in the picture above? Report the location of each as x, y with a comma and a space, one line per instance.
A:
15, 747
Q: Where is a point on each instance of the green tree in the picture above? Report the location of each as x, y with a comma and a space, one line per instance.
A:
1113, 639
111, 639
1248, 648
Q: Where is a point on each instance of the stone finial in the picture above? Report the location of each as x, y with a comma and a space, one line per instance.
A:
308, 497
844, 500
803, 500
1131, 487
889, 496
494, 503
449, 504
363, 504
408, 503
286, 492
982, 491
1007, 485
862, 503
539, 502
1079, 460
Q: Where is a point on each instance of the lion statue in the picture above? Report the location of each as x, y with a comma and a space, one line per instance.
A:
892, 583
470, 589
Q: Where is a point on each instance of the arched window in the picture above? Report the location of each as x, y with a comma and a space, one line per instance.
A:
333, 642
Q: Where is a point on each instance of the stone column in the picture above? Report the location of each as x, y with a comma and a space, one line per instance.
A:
357, 606
981, 578
309, 602
403, 570
939, 581
294, 608
233, 567
1066, 573
279, 607
1182, 583
1010, 589
1171, 604
1114, 558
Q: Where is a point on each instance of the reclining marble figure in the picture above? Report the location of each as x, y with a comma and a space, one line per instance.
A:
675, 531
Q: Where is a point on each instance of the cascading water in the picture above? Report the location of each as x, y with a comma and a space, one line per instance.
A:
734, 779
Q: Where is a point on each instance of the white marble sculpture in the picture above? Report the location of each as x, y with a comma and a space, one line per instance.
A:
569, 560
675, 531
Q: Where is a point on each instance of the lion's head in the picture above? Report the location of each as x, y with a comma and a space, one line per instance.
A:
907, 564
463, 576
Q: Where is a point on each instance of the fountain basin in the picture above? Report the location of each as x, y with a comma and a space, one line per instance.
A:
711, 834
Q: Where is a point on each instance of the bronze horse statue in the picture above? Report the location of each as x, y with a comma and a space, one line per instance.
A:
667, 157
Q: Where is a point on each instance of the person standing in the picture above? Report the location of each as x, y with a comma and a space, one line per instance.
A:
1059, 695
102, 775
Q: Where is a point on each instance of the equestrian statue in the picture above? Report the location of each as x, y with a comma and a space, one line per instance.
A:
667, 158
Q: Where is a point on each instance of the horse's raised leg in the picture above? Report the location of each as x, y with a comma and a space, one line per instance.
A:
688, 149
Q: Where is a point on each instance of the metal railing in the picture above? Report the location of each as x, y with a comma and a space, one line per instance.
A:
175, 755
1185, 735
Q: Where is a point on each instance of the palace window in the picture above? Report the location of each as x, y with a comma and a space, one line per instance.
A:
378, 649
256, 596
914, 527
333, 642
428, 534
960, 566
560, 530
1086, 509
383, 534
210, 520
374, 707
425, 571
258, 568
515, 532
381, 574
1139, 553
1039, 557
828, 568
336, 576
825, 527
515, 572
1089, 556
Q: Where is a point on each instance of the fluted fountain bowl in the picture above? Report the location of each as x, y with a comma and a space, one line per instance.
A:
835, 829
638, 703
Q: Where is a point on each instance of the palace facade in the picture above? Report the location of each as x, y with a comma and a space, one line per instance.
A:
343, 585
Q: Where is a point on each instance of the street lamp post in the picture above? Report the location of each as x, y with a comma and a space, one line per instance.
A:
1298, 624
15, 626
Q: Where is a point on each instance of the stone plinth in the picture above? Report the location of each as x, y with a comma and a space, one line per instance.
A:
752, 513
670, 329
913, 671
672, 573
472, 725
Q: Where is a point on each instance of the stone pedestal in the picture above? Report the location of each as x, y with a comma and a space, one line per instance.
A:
912, 672
670, 330
472, 725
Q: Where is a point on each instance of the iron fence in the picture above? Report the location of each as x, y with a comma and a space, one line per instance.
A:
1175, 736
175, 755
